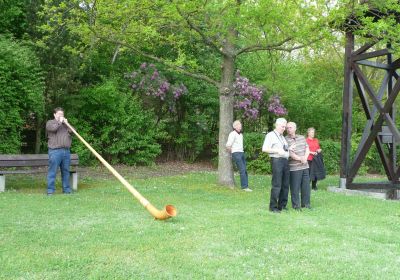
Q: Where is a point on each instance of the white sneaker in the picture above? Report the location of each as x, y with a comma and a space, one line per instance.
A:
247, 190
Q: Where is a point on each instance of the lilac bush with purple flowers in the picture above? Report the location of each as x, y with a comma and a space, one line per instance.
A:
249, 99
248, 96
147, 80
275, 106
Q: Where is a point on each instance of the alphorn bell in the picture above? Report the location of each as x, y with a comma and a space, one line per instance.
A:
168, 211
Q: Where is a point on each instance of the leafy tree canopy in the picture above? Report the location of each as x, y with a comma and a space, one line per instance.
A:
22, 87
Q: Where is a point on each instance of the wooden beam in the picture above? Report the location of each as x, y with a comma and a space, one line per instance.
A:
382, 89
392, 97
374, 64
393, 147
376, 185
387, 163
370, 55
395, 64
363, 98
364, 48
367, 86
365, 148
347, 108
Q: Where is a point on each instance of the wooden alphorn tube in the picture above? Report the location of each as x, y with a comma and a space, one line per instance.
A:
168, 211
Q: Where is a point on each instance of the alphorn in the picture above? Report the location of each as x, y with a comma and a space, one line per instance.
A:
168, 211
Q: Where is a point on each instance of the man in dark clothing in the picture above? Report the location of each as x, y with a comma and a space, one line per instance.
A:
277, 148
59, 144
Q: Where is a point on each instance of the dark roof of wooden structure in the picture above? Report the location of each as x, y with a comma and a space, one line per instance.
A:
353, 22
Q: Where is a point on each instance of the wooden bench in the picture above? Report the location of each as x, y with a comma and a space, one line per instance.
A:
17, 164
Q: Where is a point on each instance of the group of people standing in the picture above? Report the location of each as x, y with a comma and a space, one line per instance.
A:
295, 161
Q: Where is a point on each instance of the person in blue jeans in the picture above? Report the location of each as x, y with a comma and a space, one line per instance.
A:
235, 146
59, 144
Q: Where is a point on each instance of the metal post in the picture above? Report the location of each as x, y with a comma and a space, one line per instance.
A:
2, 183
73, 180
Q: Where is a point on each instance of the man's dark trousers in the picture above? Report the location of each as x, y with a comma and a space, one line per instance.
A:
300, 183
280, 183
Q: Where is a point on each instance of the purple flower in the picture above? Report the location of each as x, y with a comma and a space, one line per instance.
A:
149, 81
155, 75
179, 91
248, 96
164, 87
275, 106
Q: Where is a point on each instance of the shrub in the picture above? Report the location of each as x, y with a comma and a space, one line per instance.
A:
372, 162
116, 125
22, 87
257, 161
331, 153
260, 165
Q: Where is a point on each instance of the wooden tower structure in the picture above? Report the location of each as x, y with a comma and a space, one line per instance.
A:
379, 107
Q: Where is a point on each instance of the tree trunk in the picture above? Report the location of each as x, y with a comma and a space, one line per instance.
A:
226, 99
38, 135
225, 170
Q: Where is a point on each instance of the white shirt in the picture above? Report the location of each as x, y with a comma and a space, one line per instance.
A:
235, 141
274, 140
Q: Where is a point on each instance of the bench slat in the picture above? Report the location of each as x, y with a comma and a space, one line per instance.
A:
30, 163
30, 160
31, 171
29, 156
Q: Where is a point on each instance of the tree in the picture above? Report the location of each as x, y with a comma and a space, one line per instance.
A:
13, 18
201, 39
22, 99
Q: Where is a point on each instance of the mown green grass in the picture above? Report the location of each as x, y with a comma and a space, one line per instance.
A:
102, 232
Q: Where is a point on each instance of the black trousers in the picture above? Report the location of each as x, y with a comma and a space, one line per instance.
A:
314, 182
280, 183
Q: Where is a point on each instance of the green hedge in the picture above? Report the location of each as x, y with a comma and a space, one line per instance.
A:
116, 125
257, 161
21, 93
331, 153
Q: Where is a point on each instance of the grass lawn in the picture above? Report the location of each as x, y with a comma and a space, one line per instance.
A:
102, 232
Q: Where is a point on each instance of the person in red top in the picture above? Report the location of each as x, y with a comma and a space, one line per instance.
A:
314, 147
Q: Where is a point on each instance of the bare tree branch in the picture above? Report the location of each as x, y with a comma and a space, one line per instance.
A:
276, 47
117, 48
261, 47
